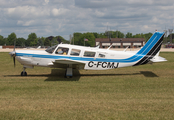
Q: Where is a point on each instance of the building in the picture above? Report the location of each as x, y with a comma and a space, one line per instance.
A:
120, 42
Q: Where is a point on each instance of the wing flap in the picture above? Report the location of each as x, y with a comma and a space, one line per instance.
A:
68, 61
64, 63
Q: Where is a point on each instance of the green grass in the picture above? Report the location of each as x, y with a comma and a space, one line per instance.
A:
135, 93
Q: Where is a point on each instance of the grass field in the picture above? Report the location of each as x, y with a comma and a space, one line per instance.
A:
134, 93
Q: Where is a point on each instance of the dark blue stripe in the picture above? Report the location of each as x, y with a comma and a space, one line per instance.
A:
81, 58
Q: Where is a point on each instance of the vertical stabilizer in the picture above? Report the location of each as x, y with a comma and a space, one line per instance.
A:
151, 48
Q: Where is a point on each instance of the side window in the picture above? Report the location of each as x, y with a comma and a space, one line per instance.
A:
101, 55
62, 51
75, 52
89, 54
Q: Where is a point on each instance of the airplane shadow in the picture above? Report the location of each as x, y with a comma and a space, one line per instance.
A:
58, 75
148, 74
145, 73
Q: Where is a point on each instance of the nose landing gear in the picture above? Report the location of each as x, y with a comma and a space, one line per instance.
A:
24, 73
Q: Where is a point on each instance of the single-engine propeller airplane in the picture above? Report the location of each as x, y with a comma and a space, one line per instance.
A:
89, 58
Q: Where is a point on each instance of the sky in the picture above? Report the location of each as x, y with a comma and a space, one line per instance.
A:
64, 17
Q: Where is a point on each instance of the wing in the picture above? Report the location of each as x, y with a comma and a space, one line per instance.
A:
68, 61
64, 63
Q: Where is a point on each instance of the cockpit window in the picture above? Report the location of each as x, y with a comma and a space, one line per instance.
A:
75, 52
101, 55
62, 51
51, 49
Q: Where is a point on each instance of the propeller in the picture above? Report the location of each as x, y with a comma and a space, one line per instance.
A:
13, 53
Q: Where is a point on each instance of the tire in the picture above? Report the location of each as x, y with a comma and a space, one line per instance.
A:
23, 73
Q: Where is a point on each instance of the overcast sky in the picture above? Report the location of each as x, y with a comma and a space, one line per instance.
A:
63, 17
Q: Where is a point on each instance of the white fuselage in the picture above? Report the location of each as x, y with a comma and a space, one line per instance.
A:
89, 58
85, 57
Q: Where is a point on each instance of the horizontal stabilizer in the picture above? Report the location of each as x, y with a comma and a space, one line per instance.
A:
158, 59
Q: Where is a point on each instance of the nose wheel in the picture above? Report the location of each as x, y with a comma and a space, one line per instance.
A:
24, 73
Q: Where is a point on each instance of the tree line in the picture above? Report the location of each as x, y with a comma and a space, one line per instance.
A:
31, 41
77, 39
80, 37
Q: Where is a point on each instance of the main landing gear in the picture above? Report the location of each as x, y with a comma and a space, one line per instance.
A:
68, 73
24, 73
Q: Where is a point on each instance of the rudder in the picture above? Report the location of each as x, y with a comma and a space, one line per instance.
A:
151, 48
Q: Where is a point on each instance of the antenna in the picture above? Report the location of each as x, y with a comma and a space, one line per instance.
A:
170, 33
165, 35
107, 32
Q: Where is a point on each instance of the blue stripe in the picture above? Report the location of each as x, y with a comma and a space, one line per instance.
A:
151, 42
134, 58
139, 55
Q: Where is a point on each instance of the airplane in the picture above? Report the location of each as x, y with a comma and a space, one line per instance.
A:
89, 58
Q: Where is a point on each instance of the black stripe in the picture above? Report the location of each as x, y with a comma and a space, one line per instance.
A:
155, 49
152, 54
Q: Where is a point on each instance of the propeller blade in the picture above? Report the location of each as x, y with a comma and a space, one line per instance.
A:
13, 54
14, 61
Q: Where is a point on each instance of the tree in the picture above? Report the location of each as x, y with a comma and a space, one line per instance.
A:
2, 40
32, 39
54, 42
40, 41
96, 35
62, 39
109, 34
139, 36
20, 42
129, 35
118, 34
147, 36
11, 38
79, 39
102, 35
47, 42
90, 37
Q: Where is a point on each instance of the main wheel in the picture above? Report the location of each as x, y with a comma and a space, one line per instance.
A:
23, 73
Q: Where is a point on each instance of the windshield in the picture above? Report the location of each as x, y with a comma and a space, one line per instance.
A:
51, 49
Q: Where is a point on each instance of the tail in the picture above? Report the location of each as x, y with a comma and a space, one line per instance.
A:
151, 49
